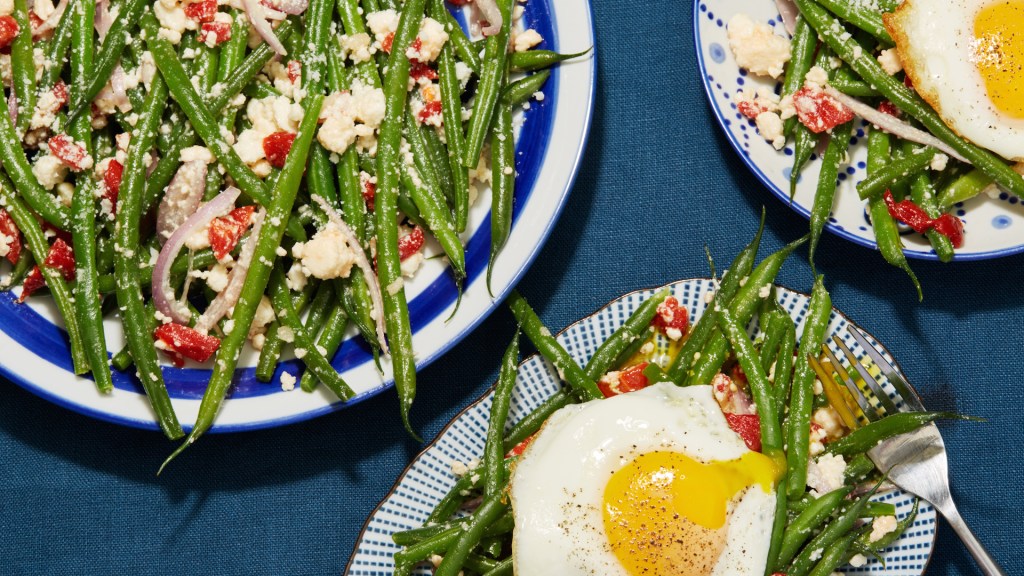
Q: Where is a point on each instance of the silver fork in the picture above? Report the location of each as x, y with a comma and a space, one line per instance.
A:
916, 461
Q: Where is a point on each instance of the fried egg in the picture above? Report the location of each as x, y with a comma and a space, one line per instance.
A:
966, 58
653, 482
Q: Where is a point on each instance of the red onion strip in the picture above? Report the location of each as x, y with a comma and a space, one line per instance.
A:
236, 280
288, 6
788, 11
183, 196
163, 293
892, 125
51, 22
490, 12
368, 272
258, 18
103, 19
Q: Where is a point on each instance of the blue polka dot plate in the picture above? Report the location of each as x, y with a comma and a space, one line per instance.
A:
429, 477
994, 226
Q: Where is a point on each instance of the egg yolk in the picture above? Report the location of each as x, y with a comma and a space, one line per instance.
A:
665, 513
998, 52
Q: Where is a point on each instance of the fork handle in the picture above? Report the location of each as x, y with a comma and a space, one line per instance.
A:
988, 565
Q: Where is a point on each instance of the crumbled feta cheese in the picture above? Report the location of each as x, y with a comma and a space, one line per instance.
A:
217, 277
756, 47
890, 61
816, 77
382, 23
296, 277
526, 40
826, 473
6, 7
196, 154
858, 560
881, 526
49, 171
939, 162
829, 420
430, 39
326, 255
287, 382
771, 128
352, 117
357, 47
264, 316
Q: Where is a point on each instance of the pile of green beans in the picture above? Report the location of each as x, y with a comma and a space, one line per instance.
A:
854, 33
470, 530
194, 93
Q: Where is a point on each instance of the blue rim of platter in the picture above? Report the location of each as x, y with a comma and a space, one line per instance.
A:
41, 336
428, 476
700, 7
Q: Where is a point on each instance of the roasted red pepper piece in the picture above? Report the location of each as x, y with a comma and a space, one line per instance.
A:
914, 216
388, 41
518, 449
432, 108
889, 108
201, 11
12, 237
112, 183
671, 317
184, 341
61, 258
277, 146
8, 30
420, 70
750, 109
410, 243
630, 380
221, 32
225, 232
69, 152
294, 71
819, 111
748, 426
34, 281
369, 193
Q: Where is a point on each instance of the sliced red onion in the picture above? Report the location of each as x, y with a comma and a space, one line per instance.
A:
119, 89
183, 196
51, 22
287, 6
489, 11
364, 264
163, 293
103, 19
228, 297
258, 18
892, 125
789, 12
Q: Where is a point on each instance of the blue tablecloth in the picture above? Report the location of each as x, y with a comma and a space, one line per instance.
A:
659, 182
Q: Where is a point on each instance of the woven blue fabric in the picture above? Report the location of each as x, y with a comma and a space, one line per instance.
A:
659, 182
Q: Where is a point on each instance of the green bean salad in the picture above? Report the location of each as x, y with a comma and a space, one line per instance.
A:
779, 397
228, 173
935, 140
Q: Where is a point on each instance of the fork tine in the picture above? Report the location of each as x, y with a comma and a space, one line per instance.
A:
876, 389
910, 397
832, 392
870, 412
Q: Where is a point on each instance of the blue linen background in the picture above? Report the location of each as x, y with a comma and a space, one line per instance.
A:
659, 182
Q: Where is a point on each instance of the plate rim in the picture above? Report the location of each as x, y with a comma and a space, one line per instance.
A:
784, 196
490, 391
496, 300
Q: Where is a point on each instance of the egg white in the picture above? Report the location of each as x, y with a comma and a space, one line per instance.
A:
934, 40
558, 485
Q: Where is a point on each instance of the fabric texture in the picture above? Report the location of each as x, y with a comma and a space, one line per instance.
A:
659, 182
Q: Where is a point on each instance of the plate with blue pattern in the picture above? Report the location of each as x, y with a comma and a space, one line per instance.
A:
994, 225
553, 133
429, 476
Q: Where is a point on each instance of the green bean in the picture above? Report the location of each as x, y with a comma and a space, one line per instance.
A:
396, 308
494, 477
582, 385
922, 193
435, 541
468, 53
760, 388
844, 81
534, 420
784, 363
23, 67
83, 207
801, 528
772, 325
503, 568
802, 48
20, 271
109, 55
742, 307
56, 49
266, 366
963, 189
137, 325
503, 183
329, 340
352, 21
866, 437
319, 308
355, 298
532, 60
437, 160
819, 311
834, 34
705, 326
490, 509
879, 509
887, 235
633, 329
836, 555
830, 534
825, 194
40, 248
492, 75
267, 242
451, 110
20, 172
317, 21
305, 347
860, 15
518, 92
866, 546
900, 170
